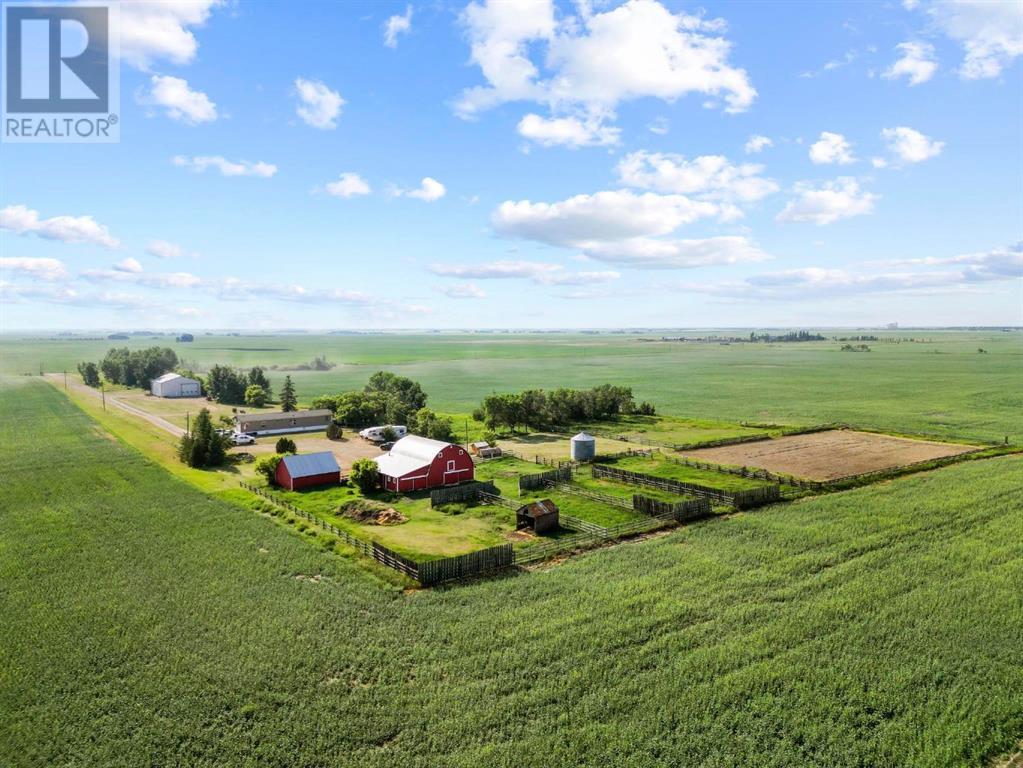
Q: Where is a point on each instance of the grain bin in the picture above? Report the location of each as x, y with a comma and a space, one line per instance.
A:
584, 447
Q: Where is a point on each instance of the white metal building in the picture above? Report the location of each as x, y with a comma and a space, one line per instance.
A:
175, 385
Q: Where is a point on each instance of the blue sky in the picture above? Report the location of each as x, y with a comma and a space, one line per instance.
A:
529, 164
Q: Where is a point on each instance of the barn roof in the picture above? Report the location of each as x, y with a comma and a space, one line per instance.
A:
171, 377
539, 508
309, 464
409, 454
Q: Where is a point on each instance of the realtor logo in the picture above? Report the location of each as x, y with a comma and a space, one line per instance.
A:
60, 80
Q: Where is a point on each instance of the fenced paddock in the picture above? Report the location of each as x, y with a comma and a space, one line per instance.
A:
830, 455
426, 572
466, 492
543, 479
744, 499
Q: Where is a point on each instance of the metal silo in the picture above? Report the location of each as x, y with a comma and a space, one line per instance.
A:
584, 447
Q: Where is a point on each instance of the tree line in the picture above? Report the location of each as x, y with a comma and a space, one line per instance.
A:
541, 410
387, 399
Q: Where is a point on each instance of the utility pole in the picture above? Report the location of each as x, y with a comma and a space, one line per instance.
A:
187, 424
65, 381
103, 394
467, 434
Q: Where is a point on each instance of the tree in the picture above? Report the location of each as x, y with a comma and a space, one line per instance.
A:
334, 431
202, 447
428, 424
389, 434
288, 400
255, 396
226, 385
89, 373
267, 467
285, 445
258, 377
401, 396
364, 475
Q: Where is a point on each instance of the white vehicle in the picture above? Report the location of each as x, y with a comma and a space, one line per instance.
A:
376, 434
240, 438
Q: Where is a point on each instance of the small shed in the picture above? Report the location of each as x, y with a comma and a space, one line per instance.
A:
484, 450
175, 385
539, 515
306, 470
584, 447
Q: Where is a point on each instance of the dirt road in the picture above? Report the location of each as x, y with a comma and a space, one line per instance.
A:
57, 379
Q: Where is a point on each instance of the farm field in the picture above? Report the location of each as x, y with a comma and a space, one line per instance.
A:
878, 626
829, 455
659, 466
967, 396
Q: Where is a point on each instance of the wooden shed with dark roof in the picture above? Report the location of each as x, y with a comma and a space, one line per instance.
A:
540, 515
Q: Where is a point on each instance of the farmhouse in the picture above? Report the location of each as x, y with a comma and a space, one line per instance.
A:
175, 385
417, 463
281, 422
304, 471
541, 515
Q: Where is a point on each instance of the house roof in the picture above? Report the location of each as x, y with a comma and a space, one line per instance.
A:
284, 415
539, 508
171, 377
309, 464
409, 454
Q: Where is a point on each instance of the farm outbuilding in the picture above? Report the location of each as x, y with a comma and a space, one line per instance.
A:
418, 463
280, 423
175, 385
584, 447
484, 450
307, 470
539, 515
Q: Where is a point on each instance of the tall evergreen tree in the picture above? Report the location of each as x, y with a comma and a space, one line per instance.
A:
288, 400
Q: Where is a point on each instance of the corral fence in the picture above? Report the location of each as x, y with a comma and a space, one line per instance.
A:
464, 492
559, 463
690, 509
426, 572
542, 479
586, 493
781, 432
754, 474
592, 535
745, 499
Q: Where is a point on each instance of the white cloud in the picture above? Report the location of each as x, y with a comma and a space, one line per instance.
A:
757, 144
826, 204
397, 25
538, 272
226, 167
162, 249
348, 185
659, 125
320, 106
37, 269
831, 148
568, 131
710, 177
429, 190
462, 291
179, 100
917, 63
235, 289
999, 264
991, 33
879, 162
129, 265
68, 229
594, 61
654, 253
911, 146
159, 30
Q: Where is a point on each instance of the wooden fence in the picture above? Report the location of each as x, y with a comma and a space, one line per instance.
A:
603, 498
464, 492
745, 499
691, 509
756, 474
590, 538
427, 572
541, 479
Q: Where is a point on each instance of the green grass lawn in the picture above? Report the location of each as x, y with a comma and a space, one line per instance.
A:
659, 467
147, 623
672, 429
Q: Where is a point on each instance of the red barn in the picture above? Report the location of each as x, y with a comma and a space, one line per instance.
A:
296, 472
417, 463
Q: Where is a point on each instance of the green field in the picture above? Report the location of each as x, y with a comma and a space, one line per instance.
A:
942, 387
146, 623
658, 466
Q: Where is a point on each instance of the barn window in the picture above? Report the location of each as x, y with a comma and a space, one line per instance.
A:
451, 466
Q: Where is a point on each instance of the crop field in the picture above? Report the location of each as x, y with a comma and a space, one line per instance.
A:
147, 622
967, 396
659, 466
829, 455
